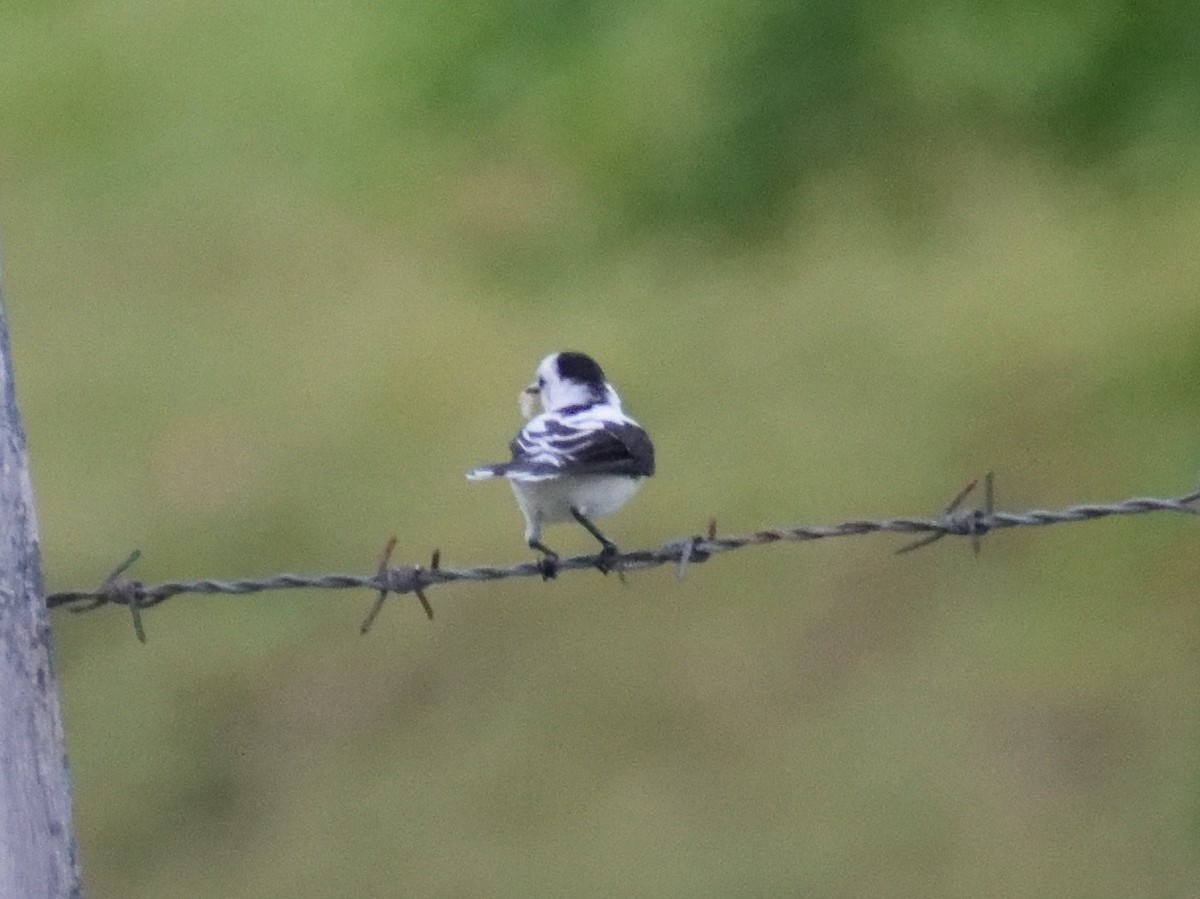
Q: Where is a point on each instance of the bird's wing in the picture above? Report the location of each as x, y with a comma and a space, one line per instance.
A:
550, 446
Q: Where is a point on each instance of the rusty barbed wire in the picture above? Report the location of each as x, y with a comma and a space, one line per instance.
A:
681, 552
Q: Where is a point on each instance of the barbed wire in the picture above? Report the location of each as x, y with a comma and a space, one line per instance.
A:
972, 523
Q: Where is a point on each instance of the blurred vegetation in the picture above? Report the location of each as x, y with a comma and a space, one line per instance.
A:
275, 273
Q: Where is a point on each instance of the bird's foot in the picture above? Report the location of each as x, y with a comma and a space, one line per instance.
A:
548, 563
607, 560
548, 566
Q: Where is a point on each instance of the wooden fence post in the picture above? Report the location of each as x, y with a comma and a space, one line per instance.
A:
37, 839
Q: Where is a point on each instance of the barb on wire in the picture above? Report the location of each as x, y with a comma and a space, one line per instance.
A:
680, 552
388, 584
383, 591
117, 589
972, 522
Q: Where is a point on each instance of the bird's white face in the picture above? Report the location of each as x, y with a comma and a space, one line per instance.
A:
556, 392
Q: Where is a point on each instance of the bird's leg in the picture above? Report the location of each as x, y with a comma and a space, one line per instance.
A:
609, 549
548, 563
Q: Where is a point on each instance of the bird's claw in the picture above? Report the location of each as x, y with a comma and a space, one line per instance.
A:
607, 560
548, 566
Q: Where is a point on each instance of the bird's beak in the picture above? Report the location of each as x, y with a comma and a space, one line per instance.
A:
528, 399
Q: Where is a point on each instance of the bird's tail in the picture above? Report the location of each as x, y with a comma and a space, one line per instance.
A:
483, 472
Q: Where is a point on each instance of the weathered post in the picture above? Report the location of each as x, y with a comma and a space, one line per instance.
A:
37, 840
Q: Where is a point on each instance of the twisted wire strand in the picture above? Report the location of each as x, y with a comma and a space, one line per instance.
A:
680, 552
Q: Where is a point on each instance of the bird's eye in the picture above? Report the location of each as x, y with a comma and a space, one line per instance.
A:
541, 381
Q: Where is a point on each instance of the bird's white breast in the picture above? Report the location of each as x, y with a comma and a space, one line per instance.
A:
593, 495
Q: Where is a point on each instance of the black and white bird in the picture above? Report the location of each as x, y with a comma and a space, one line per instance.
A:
581, 458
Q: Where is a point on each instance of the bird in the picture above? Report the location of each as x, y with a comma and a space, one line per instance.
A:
582, 458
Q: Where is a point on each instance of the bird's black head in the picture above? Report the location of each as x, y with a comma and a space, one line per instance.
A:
581, 368
566, 380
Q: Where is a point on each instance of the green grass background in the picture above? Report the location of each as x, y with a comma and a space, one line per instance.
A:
275, 273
